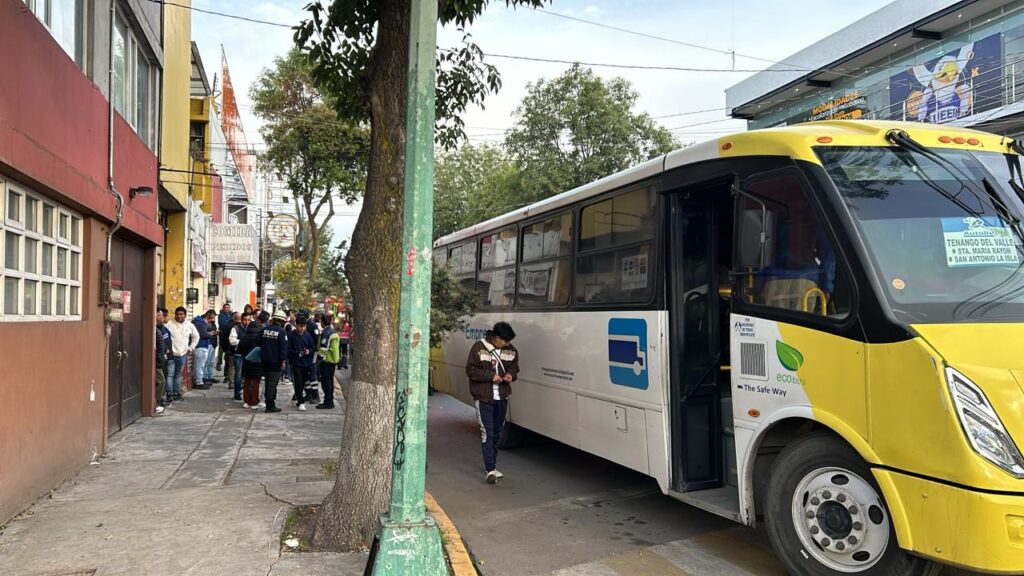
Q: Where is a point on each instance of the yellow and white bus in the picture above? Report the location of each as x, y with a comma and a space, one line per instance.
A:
819, 328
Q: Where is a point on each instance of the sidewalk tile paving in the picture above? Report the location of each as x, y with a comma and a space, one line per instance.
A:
203, 489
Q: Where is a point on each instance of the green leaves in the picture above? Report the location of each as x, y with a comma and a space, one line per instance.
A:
570, 130
450, 302
472, 184
320, 156
577, 128
790, 357
291, 284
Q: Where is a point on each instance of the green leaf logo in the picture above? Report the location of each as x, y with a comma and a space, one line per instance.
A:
790, 357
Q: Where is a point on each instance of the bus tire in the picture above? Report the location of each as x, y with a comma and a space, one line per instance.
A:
826, 516
512, 436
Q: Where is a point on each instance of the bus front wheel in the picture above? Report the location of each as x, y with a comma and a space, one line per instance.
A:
825, 515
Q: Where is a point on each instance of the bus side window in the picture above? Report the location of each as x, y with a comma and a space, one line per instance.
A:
615, 260
795, 266
440, 256
496, 279
463, 262
544, 262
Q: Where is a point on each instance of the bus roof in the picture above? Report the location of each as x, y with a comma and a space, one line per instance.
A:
795, 141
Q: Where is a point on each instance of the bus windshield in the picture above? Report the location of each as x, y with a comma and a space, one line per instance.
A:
942, 228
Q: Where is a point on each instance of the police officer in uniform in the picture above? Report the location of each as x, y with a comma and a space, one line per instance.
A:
274, 352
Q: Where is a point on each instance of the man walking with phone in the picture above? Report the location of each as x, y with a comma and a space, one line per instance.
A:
492, 366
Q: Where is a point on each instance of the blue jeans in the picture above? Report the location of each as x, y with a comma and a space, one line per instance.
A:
208, 373
238, 359
175, 366
199, 365
491, 417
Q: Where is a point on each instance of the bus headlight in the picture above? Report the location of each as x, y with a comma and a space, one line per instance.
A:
983, 428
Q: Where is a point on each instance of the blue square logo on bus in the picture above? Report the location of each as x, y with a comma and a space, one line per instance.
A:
627, 352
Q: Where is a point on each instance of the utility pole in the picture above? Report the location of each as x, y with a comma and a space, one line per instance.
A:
408, 541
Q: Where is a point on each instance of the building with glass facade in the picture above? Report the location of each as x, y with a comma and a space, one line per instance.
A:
939, 61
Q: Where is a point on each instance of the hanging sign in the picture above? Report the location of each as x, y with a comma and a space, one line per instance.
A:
978, 242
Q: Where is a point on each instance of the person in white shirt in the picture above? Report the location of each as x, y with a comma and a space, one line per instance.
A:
184, 338
234, 339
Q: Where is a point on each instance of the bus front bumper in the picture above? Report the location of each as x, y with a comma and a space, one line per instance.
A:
980, 531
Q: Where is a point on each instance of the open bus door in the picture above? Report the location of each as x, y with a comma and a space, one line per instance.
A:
699, 252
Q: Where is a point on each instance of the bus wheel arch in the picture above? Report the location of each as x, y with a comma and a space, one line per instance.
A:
765, 449
805, 469
774, 436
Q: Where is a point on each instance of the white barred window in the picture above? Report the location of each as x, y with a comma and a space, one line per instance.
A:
41, 269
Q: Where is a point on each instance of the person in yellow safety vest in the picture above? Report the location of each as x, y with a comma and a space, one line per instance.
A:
330, 355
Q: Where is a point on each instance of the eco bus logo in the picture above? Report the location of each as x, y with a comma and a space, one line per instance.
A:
790, 357
627, 352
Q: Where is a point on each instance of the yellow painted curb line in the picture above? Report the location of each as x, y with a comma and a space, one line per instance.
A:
461, 564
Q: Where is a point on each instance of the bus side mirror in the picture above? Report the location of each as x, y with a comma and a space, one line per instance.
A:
750, 239
755, 242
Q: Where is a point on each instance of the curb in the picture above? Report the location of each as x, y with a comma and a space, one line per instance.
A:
454, 547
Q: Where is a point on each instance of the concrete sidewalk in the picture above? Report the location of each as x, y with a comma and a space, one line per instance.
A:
202, 490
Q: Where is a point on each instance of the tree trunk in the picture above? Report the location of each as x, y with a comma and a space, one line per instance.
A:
362, 488
313, 253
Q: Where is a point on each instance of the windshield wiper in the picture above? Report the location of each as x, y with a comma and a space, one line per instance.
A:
1013, 164
904, 141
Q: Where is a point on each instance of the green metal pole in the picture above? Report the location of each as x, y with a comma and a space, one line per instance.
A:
409, 541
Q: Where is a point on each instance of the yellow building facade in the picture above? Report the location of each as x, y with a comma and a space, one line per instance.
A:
175, 158
206, 192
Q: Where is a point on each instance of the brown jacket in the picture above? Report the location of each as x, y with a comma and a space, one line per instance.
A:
484, 361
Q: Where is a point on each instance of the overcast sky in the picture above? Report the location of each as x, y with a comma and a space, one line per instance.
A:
766, 30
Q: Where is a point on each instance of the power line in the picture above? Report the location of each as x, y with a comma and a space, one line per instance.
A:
632, 66
705, 123
224, 15
797, 67
673, 115
691, 113
553, 61
862, 70
635, 33
690, 45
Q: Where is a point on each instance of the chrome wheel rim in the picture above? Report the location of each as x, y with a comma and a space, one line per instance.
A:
840, 520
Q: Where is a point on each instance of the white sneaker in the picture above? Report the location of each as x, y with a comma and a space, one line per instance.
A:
492, 478
159, 409
498, 474
261, 405
244, 405
302, 407
254, 407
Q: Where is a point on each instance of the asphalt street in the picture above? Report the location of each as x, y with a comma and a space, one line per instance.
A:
564, 512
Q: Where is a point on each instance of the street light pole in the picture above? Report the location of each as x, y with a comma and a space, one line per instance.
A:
408, 539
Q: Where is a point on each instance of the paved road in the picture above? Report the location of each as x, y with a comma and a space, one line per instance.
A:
563, 512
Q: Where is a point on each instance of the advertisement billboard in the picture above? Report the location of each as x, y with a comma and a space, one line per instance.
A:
960, 83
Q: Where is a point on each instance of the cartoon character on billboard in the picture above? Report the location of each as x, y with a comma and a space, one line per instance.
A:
945, 96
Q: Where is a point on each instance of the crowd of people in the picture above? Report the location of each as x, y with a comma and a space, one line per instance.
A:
256, 350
